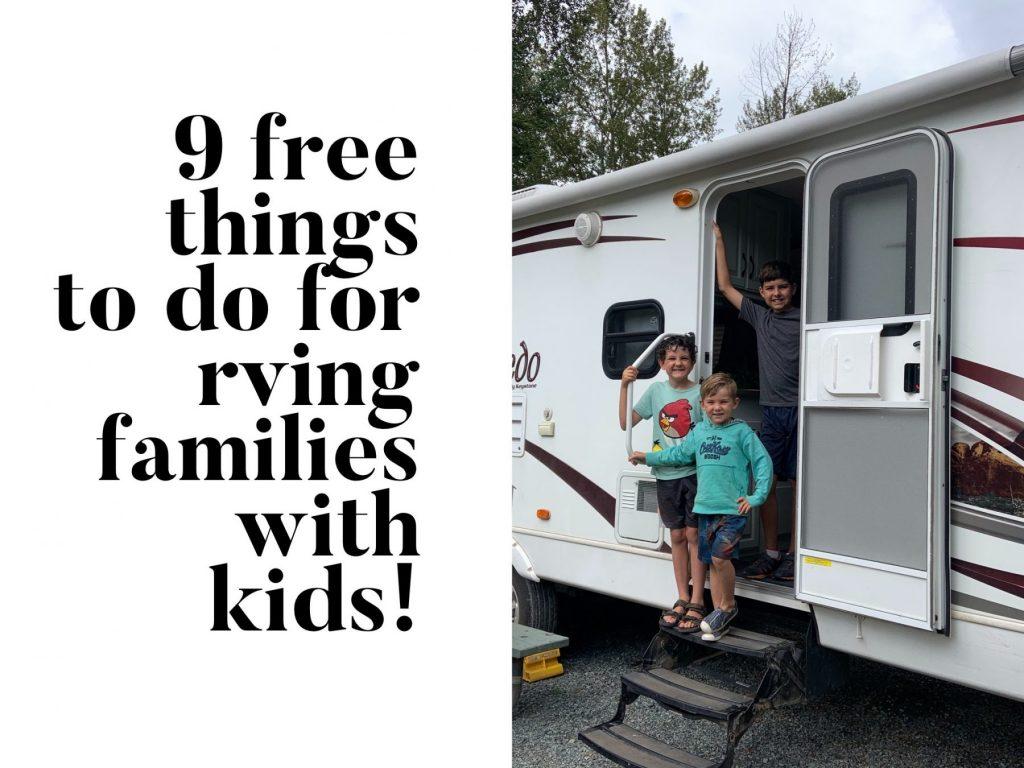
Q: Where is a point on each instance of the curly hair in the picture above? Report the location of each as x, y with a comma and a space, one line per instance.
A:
686, 341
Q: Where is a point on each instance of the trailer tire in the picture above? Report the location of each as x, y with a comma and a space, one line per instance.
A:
534, 603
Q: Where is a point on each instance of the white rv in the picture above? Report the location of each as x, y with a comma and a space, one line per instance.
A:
903, 210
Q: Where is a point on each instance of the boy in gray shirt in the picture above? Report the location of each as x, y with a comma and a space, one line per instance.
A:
777, 327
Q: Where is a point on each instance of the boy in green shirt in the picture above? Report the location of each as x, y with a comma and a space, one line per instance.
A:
676, 404
725, 450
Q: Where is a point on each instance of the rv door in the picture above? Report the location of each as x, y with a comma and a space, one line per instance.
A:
874, 439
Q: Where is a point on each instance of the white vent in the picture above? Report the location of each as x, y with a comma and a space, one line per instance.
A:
588, 228
518, 424
627, 499
637, 522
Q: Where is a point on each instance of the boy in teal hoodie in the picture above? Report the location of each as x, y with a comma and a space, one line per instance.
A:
725, 451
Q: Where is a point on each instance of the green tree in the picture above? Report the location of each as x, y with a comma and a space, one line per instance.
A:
597, 87
826, 92
787, 76
541, 126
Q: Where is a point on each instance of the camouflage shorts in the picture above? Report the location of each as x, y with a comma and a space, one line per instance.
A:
720, 536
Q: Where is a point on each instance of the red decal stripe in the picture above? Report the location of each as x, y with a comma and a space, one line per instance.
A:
1002, 121
565, 242
986, 431
991, 377
1015, 243
591, 492
1003, 580
1004, 420
522, 234
543, 245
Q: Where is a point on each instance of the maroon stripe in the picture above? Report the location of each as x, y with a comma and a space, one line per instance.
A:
1000, 418
522, 234
1001, 121
983, 429
564, 242
1015, 243
543, 245
991, 377
591, 492
1003, 580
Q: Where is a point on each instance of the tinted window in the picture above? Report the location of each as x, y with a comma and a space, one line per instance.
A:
629, 328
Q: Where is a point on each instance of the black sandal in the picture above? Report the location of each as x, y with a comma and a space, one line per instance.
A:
673, 614
688, 624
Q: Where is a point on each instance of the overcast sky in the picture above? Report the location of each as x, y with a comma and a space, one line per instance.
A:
882, 41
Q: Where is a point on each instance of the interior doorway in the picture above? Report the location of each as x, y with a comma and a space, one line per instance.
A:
759, 224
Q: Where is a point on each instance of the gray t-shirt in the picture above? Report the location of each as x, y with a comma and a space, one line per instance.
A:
778, 352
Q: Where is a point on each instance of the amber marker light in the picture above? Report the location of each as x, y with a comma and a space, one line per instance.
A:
544, 514
684, 198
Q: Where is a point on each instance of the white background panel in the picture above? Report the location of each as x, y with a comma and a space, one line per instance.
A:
108, 590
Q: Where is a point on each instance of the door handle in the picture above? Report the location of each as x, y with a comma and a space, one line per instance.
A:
912, 378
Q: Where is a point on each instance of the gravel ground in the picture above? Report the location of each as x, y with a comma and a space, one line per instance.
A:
882, 717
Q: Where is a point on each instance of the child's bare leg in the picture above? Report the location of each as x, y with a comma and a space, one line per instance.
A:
716, 585
770, 519
681, 563
680, 566
693, 616
698, 570
724, 574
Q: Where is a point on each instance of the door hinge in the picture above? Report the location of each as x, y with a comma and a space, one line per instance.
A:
945, 379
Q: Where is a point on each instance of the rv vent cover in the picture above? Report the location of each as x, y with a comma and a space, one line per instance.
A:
588, 228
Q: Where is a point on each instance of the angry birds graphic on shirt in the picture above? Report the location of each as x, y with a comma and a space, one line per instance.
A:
674, 419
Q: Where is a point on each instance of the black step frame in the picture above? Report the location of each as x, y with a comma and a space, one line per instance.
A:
782, 683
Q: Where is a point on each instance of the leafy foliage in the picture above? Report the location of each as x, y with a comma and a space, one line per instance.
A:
787, 76
597, 87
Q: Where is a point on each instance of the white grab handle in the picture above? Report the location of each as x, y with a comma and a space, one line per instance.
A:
629, 390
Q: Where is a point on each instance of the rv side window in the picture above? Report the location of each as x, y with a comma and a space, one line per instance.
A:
872, 249
628, 328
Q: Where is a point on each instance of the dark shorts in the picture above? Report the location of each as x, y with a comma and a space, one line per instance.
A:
675, 502
778, 433
719, 536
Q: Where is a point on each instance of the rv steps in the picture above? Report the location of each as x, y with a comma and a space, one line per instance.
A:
629, 747
661, 680
679, 693
739, 641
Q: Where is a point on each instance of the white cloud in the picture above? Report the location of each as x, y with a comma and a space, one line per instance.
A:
882, 41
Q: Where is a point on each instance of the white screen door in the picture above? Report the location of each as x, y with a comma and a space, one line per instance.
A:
874, 437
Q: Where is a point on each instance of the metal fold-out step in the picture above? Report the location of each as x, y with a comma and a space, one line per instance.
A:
741, 641
627, 746
782, 682
682, 694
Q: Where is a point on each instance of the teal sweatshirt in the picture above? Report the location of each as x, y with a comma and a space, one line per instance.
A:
724, 457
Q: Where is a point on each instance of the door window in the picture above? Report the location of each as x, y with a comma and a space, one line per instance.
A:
871, 247
870, 239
